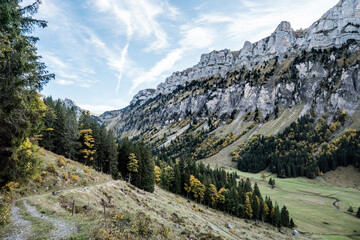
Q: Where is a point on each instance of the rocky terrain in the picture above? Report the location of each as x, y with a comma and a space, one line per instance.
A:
317, 67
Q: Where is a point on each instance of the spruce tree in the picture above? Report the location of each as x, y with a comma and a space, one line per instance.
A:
284, 217
358, 213
22, 75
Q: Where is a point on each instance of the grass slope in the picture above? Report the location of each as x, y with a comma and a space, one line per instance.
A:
311, 203
171, 216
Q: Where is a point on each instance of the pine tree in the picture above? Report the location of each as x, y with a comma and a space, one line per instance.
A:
358, 213
21, 76
132, 165
284, 217
70, 134
277, 216
292, 224
113, 170
167, 177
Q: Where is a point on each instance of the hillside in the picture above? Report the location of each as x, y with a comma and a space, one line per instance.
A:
158, 215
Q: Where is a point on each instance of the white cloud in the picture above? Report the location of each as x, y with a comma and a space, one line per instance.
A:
158, 69
140, 19
196, 37
97, 108
64, 82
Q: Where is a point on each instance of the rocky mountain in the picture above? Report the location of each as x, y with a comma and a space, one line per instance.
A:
316, 68
78, 110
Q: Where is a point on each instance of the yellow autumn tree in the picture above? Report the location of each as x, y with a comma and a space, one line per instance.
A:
248, 209
213, 194
157, 172
220, 195
87, 145
132, 165
197, 188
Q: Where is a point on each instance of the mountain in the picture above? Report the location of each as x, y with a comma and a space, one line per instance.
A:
78, 110
313, 71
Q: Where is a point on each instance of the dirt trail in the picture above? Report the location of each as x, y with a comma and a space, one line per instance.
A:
22, 229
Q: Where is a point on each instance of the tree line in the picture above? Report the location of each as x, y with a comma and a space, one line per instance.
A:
304, 148
86, 141
220, 190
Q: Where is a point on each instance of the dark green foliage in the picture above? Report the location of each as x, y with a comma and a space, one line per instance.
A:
292, 152
144, 178
219, 183
285, 217
292, 224
22, 75
350, 209
358, 213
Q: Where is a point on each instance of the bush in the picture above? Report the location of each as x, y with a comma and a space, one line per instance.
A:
66, 176
350, 209
51, 167
87, 170
75, 178
5, 211
61, 161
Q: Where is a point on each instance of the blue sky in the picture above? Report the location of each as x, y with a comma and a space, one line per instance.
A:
104, 51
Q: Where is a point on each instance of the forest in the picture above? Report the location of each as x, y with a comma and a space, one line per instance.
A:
305, 148
220, 190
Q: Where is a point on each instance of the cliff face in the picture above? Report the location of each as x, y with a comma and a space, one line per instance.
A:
318, 67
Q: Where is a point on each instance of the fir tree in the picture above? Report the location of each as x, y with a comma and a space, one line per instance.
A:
284, 217
22, 75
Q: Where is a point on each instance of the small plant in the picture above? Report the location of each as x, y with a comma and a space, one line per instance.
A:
5, 210
9, 187
87, 170
350, 209
39, 179
75, 178
66, 176
61, 161
51, 167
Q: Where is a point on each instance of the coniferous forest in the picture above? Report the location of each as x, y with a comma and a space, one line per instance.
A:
305, 148
220, 190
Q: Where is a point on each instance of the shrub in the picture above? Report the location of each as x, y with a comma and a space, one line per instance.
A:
61, 161
39, 179
66, 176
51, 167
350, 209
5, 210
75, 178
87, 170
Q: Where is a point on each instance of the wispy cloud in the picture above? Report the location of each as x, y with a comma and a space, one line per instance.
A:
139, 19
158, 69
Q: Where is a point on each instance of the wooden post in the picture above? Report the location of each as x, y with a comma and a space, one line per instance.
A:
73, 210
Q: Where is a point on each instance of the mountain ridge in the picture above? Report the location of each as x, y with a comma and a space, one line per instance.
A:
317, 66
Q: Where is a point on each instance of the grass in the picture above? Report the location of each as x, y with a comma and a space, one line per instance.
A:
310, 203
171, 216
39, 226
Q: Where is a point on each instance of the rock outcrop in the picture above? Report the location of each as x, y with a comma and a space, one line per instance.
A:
271, 72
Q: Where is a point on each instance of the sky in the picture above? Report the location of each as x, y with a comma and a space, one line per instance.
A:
103, 52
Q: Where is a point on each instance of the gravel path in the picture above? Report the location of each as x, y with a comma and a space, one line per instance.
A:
62, 228
22, 229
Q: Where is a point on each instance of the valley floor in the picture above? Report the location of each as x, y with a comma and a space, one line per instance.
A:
317, 206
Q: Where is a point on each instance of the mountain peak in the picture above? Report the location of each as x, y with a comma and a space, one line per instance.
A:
284, 26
